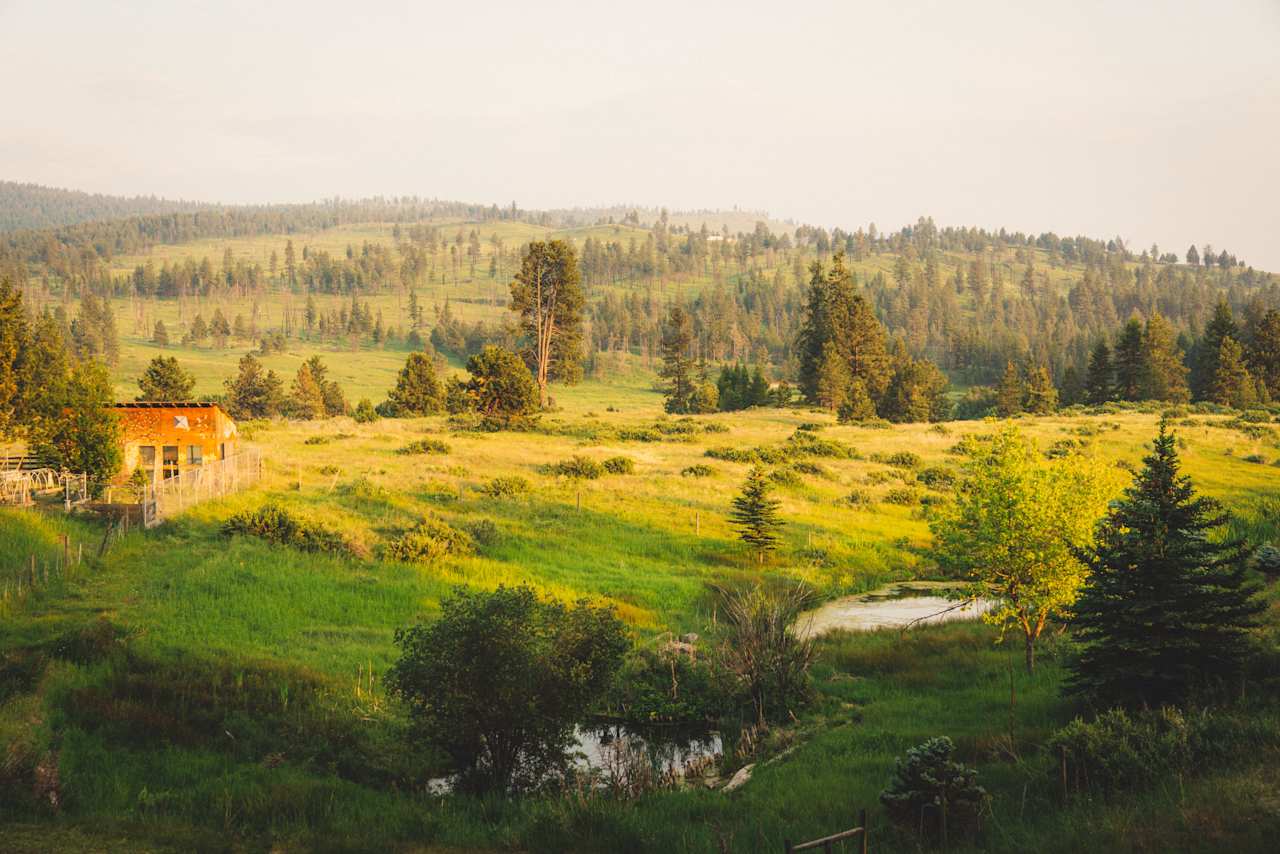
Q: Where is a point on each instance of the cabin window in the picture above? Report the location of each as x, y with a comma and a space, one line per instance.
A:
195, 455
169, 458
147, 459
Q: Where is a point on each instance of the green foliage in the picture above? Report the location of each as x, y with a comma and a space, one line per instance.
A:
1166, 609
547, 294
739, 389
418, 390
500, 388
937, 477
84, 436
1016, 528
902, 495
619, 465
275, 524
499, 680
663, 684
933, 794
424, 446
577, 466
755, 515
506, 486
761, 650
677, 362
430, 540
697, 470
165, 380
253, 393
364, 412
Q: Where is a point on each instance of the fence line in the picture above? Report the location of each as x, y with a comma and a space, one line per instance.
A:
167, 497
33, 574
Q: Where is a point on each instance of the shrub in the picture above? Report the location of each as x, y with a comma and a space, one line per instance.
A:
786, 476
365, 412
697, 470
498, 682
806, 443
857, 498
576, 466
1256, 458
901, 495
733, 455
1267, 560
929, 788
769, 661
274, 524
715, 427
365, 489
900, 459
620, 465
484, 532
430, 540
937, 477
662, 684
424, 446
507, 486
317, 440
809, 468
642, 434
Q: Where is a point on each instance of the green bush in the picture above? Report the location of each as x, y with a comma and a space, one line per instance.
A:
902, 495
576, 466
365, 412
900, 459
507, 486
804, 442
1267, 560
697, 470
929, 788
424, 446
937, 477
642, 434
277, 525
365, 489
620, 465
857, 498
733, 455
785, 476
484, 532
662, 685
317, 440
430, 540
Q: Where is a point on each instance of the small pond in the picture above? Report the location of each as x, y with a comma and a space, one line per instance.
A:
893, 606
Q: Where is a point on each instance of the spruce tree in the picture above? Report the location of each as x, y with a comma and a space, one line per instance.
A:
677, 361
1165, 609
1164, 374
1264, 352
1231, 384
1129, 362
1071, 391
160, 335
1098, 385
1208, 349
755, 514
1042, 396
858, 405
418, 390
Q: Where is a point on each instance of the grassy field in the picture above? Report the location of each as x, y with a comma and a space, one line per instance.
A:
195, 691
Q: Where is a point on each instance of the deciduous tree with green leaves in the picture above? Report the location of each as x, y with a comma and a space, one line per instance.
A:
1016, 527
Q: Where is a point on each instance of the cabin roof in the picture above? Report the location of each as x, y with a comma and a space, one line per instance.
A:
166, 404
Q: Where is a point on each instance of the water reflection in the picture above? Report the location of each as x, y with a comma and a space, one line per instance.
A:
893, 606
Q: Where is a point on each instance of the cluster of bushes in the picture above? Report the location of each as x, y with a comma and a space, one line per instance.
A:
424, 446
274, 524
899, 459
802, 443
660, 685
697, 470
585, 468
429, 540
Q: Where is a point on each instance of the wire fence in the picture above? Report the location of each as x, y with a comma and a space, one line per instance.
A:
172, 495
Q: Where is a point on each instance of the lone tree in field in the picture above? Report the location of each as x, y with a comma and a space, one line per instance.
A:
253, 393
677, 361
165, 379
499, 680
1016, 526
418, 390
1166, 609
547, 293
500, 388
755, 514
160, 335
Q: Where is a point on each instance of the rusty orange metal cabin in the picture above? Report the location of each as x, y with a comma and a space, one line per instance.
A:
166, 438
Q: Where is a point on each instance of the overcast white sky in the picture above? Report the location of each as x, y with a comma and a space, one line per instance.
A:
1154, 121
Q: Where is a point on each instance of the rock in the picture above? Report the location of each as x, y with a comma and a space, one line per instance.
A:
690, 638
739, 779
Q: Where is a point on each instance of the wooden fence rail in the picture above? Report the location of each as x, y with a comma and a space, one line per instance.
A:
826, 842
172, 495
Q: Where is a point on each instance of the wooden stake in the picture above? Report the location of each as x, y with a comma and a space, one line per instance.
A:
697, 523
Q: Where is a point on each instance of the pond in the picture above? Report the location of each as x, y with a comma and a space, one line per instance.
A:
893, 606
616, 755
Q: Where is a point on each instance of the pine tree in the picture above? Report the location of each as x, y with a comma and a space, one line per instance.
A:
84, 436
14, 335
1264, 352
165, 380
1205, 367
858, 405
755, 514
1165, 608
160, 335
1010, 392
1042, 396
1071, 391
199, 330
547, 293
677, 361
834, 378
306, 399
1164, 374
251, 393
1232, 384
1130, 362
1098, 385
418, 390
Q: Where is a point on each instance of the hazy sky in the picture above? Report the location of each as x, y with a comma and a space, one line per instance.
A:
1154, 121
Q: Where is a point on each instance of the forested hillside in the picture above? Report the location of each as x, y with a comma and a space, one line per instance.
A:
31, 206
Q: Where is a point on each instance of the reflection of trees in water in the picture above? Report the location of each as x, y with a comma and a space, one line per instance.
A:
629, 762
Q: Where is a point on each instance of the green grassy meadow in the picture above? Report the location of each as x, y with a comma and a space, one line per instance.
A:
195, 691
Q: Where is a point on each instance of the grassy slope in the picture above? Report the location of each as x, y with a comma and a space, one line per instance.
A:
285, 643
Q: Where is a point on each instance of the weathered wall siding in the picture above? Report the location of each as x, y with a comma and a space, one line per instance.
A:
207, 426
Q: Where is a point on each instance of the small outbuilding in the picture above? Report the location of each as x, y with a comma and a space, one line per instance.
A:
165, 438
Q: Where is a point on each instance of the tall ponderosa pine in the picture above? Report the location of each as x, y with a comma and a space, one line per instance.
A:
253, 393
1166, 608
677, 361
755, 514
1099, 386
547, 292
1208, 350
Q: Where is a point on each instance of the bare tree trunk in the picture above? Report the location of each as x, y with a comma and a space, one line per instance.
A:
1031, 653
